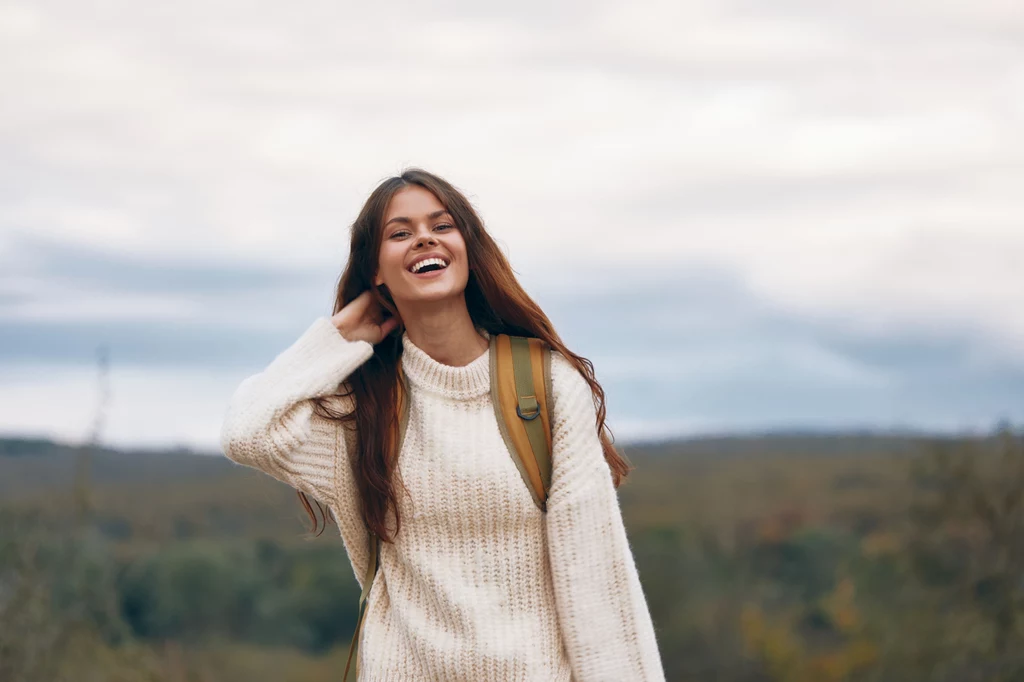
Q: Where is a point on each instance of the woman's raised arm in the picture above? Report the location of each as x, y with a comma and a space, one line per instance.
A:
270, 424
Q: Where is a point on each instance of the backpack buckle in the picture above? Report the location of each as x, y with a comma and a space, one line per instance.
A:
530, 404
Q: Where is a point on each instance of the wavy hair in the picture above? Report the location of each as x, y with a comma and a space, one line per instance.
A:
497, 303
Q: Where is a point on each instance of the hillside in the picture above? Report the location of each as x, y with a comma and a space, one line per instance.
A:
765, 558
27, 465
171, 495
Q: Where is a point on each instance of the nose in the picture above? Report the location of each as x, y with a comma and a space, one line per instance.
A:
425, 239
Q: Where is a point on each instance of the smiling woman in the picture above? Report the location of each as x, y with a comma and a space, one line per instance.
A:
468, 574
416, 215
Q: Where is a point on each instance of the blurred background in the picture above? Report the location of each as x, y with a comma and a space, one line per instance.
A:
789, 235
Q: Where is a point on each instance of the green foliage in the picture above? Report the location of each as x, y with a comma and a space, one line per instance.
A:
58, 607
803, 565
192, 591
856, 559
967, 536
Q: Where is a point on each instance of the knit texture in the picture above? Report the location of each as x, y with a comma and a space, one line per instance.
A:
479, 585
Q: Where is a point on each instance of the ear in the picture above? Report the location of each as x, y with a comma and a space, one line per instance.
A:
377, 280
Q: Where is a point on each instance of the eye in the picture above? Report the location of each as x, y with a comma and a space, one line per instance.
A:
444, 226
398, 233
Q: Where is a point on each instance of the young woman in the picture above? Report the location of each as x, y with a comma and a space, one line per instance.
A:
475, 582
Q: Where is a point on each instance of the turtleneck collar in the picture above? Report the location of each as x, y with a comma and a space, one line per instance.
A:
460, 383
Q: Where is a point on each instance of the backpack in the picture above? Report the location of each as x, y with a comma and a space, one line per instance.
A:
520, 370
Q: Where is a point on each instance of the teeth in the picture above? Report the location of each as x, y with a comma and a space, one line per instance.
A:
424, 263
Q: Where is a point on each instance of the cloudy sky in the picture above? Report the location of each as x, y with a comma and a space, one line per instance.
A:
749, 215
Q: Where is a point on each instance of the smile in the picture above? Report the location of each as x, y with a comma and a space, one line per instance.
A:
428, 265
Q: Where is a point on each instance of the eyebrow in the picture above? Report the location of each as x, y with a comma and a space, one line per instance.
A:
403, 219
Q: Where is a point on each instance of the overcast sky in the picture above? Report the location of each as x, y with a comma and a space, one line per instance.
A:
748, 215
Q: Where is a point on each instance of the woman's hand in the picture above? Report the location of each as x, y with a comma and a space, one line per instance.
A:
360, 320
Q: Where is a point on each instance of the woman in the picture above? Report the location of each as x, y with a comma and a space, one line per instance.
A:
475, 582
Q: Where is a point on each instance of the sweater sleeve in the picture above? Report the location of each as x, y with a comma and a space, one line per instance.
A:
602, 611
270, 424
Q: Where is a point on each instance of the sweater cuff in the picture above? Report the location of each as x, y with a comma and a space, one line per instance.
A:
320, 358
322, 340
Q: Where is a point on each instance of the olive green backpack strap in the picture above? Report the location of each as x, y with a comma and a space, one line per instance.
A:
395, 444
520, 393
371, 571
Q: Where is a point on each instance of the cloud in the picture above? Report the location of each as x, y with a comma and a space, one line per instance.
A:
696, 351
704, 352
151, 406
813, 196
50, 261
58, 304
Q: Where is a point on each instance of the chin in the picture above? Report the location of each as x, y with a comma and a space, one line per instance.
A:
432, 292
434, 296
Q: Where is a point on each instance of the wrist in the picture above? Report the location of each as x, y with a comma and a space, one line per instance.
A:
343, 329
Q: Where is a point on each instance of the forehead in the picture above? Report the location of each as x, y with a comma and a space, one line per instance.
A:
412, 202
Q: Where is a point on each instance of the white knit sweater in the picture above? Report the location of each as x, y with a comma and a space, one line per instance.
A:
479, 585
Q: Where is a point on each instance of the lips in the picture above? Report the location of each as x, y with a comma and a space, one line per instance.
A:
430, 273
430, 260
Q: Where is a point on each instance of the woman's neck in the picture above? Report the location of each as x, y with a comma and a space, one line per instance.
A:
445, 332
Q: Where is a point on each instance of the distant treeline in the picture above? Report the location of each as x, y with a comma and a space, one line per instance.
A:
791, 558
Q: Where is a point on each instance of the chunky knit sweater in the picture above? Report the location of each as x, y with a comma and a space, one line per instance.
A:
479, 584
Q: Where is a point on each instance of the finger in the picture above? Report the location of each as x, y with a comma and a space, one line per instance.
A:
362, 300
388, 326
358, 306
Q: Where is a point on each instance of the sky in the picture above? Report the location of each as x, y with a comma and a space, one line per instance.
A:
749, 216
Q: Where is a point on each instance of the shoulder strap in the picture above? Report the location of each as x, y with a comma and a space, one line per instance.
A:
520, 390
371, 572
520, 393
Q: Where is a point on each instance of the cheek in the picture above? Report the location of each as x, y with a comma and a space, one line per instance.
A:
458, 247
389, 262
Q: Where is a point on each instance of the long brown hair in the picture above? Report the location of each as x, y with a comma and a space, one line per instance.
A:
497, 303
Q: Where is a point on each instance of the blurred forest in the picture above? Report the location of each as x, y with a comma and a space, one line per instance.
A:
790, 558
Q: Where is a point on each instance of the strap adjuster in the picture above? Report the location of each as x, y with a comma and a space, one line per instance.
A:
530, 405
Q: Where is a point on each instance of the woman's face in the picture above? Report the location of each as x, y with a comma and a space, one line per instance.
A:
422, 254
